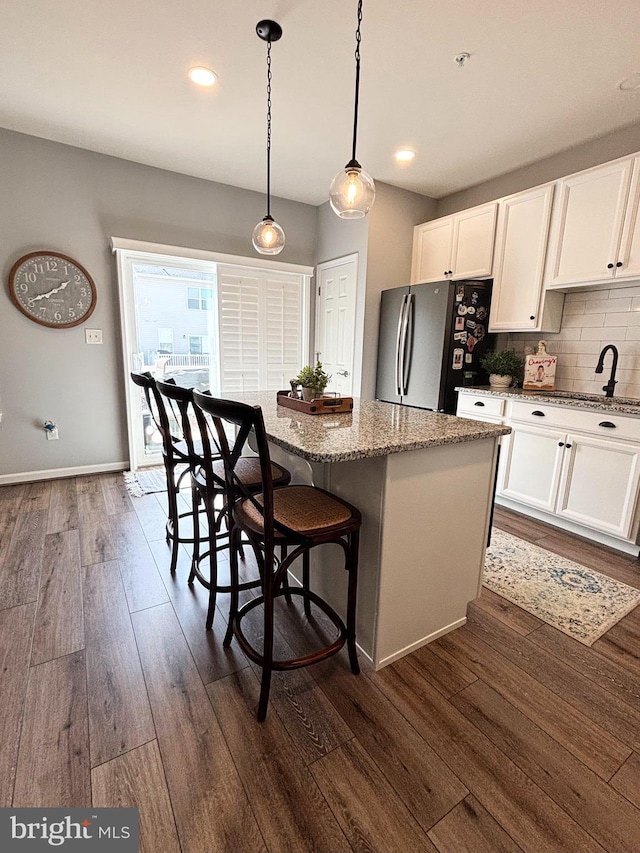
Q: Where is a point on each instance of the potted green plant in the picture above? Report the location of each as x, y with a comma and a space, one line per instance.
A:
313, 381
503, 366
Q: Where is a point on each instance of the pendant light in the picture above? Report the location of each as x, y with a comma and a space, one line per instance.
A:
268, 236
352, 191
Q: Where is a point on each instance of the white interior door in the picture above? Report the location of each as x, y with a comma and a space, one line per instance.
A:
337, 283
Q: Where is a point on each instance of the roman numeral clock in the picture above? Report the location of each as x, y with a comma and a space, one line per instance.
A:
52, 289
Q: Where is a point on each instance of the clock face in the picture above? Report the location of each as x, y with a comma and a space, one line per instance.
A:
52, 289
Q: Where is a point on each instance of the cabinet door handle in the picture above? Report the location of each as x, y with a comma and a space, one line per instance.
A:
609, 266
479, 403
607, 424
451, 271
538, 413
561, 444
532, 317
619, 264
567, 445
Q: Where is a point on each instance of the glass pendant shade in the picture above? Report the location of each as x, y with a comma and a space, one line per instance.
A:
268, 237
352, 192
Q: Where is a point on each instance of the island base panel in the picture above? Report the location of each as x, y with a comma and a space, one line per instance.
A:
425, 520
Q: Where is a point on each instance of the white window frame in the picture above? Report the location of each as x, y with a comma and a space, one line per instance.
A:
205, 344
130, 252
200, 298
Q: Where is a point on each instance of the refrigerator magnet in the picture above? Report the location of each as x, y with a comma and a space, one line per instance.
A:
471, 310
471, 324
460, 336
460, 293
462, 309
458, 359
471, 342
481, 313
459, 324
480, 331
474, 297
468, 358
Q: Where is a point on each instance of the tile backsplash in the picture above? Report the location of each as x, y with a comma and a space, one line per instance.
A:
591, 319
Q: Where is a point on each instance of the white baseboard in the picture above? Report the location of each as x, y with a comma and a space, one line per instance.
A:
422, 642
55, 473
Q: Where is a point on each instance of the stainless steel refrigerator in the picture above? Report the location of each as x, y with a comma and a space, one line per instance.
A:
431, 340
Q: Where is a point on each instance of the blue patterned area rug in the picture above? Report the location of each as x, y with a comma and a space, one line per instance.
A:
578, 601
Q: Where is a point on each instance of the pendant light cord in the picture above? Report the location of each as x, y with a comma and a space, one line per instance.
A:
357, 97
269, 128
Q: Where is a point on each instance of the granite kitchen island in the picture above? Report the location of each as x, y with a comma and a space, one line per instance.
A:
424, 484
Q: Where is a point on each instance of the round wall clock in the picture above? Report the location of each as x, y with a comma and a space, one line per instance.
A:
52, 289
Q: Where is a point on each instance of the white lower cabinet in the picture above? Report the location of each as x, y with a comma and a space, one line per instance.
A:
577, 468
530, 466
599, 483
589, 480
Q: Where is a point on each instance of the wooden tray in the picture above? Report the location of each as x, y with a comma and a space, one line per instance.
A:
319, 406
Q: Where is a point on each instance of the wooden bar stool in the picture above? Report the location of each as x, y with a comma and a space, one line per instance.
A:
208, 484
175, 457
296, 517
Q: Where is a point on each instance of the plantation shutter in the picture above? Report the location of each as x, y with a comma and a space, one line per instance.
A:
261, 329
282, 331
238, 297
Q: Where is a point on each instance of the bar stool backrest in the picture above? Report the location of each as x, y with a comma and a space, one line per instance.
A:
179, 405
157, 408
247, 420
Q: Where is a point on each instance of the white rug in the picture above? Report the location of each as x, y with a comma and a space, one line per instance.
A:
145, 481
578, 601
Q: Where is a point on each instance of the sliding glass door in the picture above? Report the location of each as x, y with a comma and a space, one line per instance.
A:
220, 326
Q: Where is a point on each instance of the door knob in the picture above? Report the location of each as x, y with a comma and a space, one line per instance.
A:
342, 373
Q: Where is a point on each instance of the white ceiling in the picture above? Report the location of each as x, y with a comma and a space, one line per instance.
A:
111, 77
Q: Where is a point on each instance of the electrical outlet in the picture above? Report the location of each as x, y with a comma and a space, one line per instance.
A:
93, 336
52, 434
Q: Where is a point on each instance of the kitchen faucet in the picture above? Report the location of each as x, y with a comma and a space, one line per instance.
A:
611, 384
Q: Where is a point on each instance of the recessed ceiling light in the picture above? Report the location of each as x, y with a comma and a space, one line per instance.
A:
202, 76
404, 154
629, 84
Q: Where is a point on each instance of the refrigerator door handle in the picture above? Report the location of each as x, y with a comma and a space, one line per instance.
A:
401, 315
408, 308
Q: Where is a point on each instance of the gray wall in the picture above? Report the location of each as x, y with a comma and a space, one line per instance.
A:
383, 242
391, 223
72, 201
617, 144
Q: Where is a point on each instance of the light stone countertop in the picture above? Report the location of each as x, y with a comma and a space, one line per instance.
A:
372, 429
621, 405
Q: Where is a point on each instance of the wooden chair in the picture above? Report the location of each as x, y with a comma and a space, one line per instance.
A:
175, 457
208, 483
296, 517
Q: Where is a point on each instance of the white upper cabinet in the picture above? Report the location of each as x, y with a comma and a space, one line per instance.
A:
519, 302
589, 219
432, 250
629, 255
455, 247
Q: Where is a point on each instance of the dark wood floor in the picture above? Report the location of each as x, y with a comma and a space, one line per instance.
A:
505, 735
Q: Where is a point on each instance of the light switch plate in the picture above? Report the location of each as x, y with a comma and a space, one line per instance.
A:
93, 336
